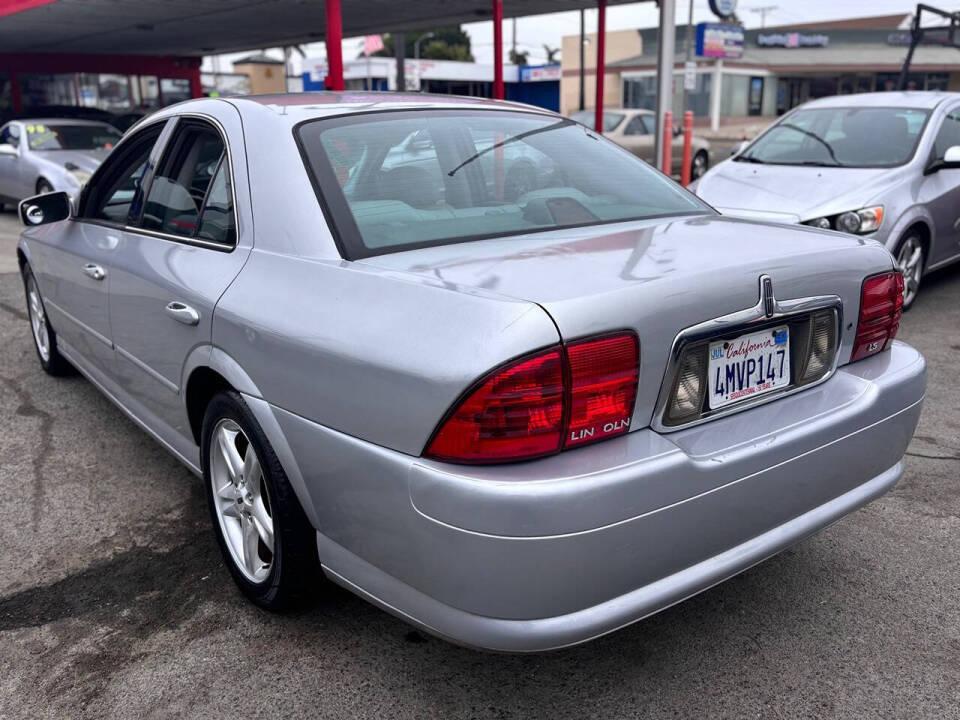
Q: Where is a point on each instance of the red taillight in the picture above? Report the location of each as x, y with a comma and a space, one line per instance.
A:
537, 405
516, 412
881, 306
603, 386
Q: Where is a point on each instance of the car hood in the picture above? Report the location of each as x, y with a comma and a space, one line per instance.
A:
655, 276
86, 160
791, 194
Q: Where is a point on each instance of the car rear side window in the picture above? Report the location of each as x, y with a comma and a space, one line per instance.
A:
190, 195
393, 181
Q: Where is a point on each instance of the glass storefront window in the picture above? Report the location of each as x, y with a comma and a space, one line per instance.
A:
114, 91
149, 91
42, 89
174, 90
89, 89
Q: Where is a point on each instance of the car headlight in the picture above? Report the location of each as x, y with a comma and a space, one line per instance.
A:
855, 222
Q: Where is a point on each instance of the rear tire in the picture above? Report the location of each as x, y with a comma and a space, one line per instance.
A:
44, 337
911, 259
265, 538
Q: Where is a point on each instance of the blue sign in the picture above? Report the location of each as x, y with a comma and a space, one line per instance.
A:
718, 40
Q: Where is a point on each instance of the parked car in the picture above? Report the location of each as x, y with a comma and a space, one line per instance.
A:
42, 155
516, 423
880, 165
634, 129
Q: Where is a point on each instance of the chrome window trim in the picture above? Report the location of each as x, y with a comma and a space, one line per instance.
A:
741, 322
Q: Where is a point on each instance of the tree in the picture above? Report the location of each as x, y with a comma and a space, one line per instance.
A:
551, 53
519, 57
447, 43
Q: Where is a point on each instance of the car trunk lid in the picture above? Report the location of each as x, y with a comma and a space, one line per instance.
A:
656, 277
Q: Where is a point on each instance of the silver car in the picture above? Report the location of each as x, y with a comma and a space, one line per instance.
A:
880, 165
634, 128
516, 422
44, 155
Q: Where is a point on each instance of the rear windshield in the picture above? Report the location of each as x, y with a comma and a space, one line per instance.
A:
840, 137
398, 180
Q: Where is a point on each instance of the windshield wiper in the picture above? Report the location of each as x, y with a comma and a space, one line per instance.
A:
511, 139
816, 137
749, 159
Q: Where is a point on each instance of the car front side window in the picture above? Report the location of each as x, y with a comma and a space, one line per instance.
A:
948, 135
114, 193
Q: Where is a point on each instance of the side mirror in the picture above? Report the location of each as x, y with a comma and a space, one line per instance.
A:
9, 150
739, 147
44, 209
949, 161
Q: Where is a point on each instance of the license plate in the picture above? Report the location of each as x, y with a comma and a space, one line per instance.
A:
750, 366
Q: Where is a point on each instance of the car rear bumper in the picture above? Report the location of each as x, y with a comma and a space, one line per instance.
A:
550, 553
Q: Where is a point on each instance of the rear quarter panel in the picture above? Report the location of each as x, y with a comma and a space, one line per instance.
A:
369, 353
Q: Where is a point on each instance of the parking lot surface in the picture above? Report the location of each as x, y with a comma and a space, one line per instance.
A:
114, 602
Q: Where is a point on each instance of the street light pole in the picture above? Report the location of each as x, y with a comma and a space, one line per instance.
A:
686, 92
416, 45
665, 60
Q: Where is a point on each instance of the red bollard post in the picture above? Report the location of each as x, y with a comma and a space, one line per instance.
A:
686, 169
667, 164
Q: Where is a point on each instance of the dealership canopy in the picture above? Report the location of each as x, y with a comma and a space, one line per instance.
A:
203, 27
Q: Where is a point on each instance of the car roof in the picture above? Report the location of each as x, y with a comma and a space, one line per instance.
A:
298, 107
926, 99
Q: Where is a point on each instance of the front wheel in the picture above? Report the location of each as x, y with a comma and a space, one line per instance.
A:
911, 258
265, 537
44, 338
43, 187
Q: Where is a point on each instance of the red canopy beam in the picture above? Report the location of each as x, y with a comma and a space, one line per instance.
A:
601, 62
334, 48
498, 49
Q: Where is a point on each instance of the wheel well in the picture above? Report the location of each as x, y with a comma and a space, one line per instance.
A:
203, 384
42, 179
21, 259
923, 231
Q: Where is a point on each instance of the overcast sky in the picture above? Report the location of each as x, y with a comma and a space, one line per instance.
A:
534, 31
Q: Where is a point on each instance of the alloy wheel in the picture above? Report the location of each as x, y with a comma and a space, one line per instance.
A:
910, 263
242, 501
38, 320
699, 166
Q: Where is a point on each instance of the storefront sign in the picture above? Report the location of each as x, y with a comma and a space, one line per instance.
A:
540, 73
717, 40
723, 9
792, 40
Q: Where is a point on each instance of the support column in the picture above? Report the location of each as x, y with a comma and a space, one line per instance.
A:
498, 49
716, 94
399, 53
665, 60
583, 72
334, 37
196, 86
601, 63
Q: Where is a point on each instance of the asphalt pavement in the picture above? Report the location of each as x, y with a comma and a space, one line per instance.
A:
114, 602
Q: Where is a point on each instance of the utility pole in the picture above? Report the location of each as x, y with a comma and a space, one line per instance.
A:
763, 12
583, 42
665, 61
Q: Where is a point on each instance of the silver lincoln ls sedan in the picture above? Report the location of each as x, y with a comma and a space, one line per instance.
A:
518, 415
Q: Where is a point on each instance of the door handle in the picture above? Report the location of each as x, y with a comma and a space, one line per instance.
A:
95, 271
182, 313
